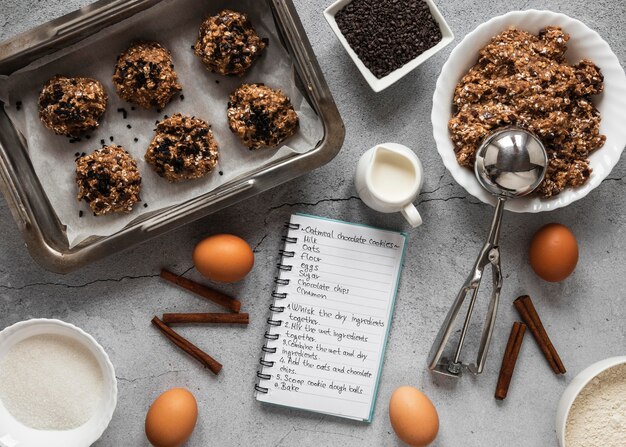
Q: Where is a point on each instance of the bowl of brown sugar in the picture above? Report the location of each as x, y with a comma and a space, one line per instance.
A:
545, 72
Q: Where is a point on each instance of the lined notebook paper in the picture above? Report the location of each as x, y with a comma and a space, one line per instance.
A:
333, 304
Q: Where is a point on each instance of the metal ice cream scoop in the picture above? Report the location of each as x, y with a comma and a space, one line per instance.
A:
510, 163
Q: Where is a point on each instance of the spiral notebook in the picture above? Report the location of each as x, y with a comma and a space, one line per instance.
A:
330, 317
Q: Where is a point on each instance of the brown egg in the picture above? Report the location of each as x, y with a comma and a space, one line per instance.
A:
171, 418
553, 252
413, 416
223, 258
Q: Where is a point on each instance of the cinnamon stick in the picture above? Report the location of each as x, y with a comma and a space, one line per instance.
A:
510, 359
220, 298
188, 347
527, 311
185, 318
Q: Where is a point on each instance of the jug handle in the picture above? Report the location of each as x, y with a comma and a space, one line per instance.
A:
411, 214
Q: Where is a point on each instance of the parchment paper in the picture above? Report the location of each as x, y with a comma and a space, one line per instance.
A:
175, 24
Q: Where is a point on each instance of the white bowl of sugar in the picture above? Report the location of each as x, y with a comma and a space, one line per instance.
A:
57, 386
592, 409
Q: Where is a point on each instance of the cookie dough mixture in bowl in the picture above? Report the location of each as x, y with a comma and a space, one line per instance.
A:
71, 106
553, 94
144, 75
523, 79
261, 116
228, 44
108, 179
183, 148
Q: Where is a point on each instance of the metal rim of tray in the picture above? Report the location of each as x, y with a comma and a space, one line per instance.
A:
37, 221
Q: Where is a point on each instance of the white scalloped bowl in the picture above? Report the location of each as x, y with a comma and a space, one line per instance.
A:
584, 43
15, 434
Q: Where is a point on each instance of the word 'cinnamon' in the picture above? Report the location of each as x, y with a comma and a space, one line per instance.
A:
184, 318
220, 298
527, 311
188, 347
510, 359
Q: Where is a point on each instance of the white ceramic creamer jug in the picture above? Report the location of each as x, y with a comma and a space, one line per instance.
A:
388, 179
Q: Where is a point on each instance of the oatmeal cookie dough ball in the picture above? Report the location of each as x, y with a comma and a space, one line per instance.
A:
261, 116
144, 75
228, 44
108, 179
183, 148
71, 106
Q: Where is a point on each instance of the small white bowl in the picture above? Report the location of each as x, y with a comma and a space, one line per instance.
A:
575, 387
15, 434
584, 43
380, 84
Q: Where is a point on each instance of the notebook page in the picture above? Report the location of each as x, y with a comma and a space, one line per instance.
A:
335, 316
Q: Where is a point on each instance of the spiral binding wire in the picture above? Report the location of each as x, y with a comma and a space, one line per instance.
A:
279, 295
286, 253
271, 321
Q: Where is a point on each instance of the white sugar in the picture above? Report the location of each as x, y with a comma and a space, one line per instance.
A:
598, 416
50, 382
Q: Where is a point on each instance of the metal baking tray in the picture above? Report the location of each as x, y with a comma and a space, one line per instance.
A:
42, 231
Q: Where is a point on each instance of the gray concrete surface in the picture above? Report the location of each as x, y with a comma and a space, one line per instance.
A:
115, 299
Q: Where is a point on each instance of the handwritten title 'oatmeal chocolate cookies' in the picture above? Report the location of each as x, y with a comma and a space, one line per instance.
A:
72, 106
108, 179
228, 44
183, 148
261, 116
144, 75
524, 79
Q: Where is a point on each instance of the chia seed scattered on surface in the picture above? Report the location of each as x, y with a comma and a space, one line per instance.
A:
111, 138
135, 139
123, 111
74, 140
83, 154
132, 107
18, 105
221, 172
145, 205
217, 81
165, 117
182, 97
77, 154
159, 110
193, 47
87, 137
387, 34
102, 142
129, 126
80, 214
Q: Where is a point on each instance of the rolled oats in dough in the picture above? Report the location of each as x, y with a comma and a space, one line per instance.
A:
108, 179
144, 75
261, 116
228, 44
183, 148
524, 79
71, 106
